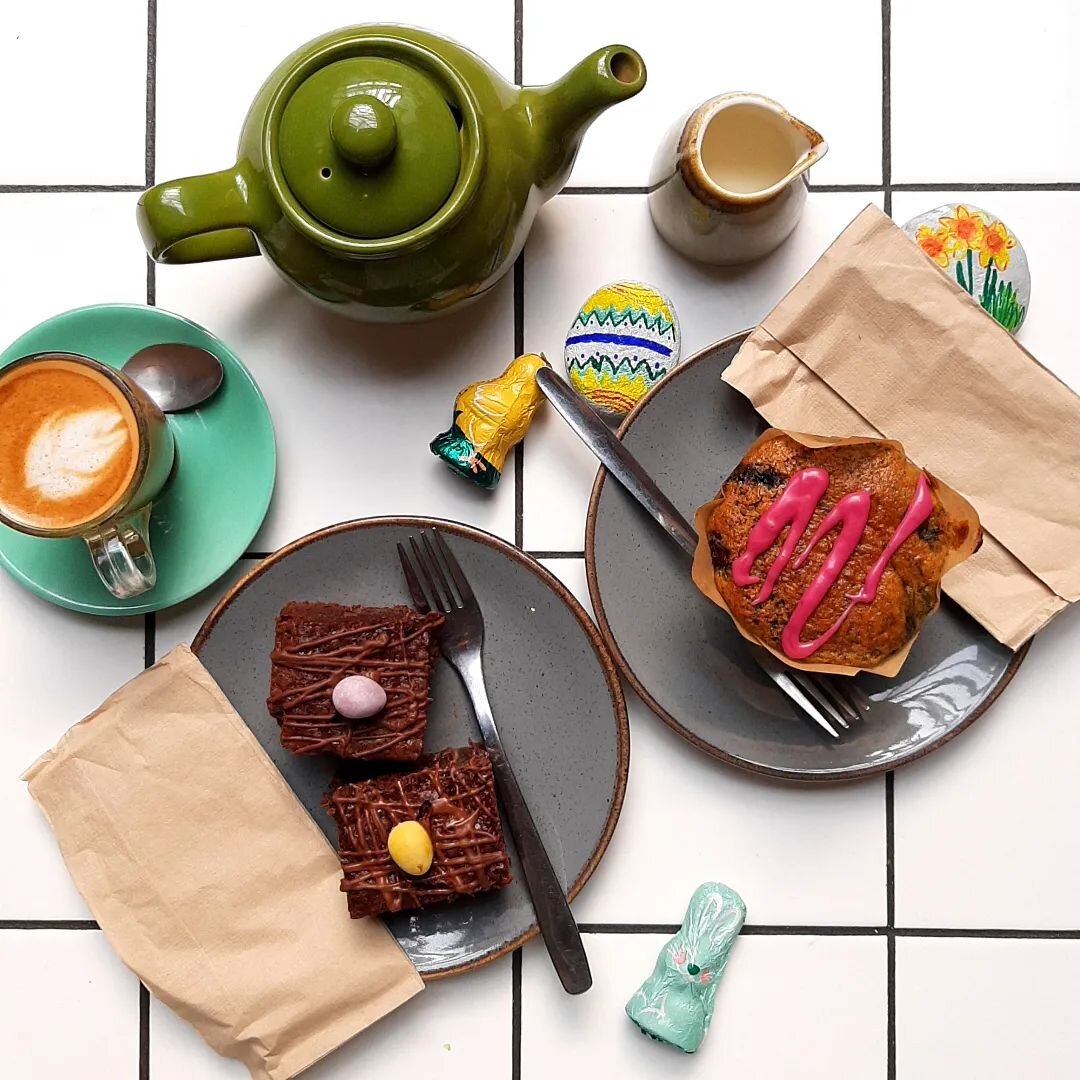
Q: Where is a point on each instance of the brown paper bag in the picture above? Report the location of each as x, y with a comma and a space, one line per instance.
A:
209, 878
704, 578
876, 341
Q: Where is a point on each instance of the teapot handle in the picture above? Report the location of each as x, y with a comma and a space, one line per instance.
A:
200, 218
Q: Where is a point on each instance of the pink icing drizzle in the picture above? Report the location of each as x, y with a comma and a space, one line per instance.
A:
794, 508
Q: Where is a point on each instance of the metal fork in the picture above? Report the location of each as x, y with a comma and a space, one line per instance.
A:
816, 695
462, 641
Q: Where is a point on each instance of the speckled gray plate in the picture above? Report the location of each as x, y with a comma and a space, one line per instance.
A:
552, 684
683, 655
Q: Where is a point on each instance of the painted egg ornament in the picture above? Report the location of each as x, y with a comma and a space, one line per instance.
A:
981, 254
357, 697
624, 339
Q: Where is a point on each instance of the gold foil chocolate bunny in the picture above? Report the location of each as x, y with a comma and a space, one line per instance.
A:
491, 417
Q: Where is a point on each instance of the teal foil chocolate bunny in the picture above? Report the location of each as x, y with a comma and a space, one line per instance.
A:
674, 1005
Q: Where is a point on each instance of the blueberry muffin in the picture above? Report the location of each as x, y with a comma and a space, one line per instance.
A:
833, 555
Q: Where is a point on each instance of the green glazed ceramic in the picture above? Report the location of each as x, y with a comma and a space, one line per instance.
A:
220, 489
387, 172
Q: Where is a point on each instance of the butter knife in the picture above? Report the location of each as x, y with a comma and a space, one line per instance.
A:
595, 433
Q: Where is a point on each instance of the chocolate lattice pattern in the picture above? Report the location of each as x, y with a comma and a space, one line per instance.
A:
317, 645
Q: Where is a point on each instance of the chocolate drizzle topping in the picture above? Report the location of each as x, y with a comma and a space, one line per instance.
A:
454, 798
317, 645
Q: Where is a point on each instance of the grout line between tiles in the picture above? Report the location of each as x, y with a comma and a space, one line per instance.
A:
750, 929
614, 189
515, 1014
556, 554
144, 1033
890, 1016
149, 639
890, 830
886, 105
627, 189
46, 189
48, 924
519, 526
150, 160
150, 620
947, 185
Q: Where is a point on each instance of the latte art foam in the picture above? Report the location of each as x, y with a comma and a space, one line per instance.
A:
68, 444
71, 451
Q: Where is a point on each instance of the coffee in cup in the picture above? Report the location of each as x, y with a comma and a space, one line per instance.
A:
83, 450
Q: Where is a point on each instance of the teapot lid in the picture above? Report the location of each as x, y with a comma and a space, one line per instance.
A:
370, 146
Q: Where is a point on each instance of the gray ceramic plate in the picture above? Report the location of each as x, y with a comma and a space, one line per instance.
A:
682, 653
553, 687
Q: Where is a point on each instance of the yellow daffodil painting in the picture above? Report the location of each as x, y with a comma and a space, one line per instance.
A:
935, 244
995, 246
963, 231
977, 249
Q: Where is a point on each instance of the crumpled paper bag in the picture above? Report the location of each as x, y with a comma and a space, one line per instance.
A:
876, 341
209, 878
705, 579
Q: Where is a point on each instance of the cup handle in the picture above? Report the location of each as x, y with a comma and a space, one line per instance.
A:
122, 557
200, 218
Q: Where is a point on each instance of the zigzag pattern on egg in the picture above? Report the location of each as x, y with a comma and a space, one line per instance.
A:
617, 316
624, 339
597, 377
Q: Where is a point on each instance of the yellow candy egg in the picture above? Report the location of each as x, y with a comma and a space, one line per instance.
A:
410, 847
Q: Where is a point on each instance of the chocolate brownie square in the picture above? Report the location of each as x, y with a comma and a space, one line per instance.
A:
318, 645
453, 797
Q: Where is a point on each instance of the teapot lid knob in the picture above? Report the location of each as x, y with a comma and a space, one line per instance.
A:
364, 131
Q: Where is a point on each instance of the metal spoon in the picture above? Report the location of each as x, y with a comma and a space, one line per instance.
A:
176, 376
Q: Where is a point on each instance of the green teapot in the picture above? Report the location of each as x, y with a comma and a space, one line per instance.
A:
387, 172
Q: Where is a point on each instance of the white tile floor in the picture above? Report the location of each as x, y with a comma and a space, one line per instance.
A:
981, 836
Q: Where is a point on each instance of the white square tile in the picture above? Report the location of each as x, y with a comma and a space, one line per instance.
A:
199, 119
1052, 326
70, 1007
457, 1029
828, 73
74, 79
354, 405
58, 666
796, 856
985, 827
985, 90
986, 1010
582, 241
64, 250
791, 1007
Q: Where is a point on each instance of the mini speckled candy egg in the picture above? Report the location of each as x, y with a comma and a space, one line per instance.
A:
981, 254
357, 697
624, 339
409, 845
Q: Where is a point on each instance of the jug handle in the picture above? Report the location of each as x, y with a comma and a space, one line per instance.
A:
200, 218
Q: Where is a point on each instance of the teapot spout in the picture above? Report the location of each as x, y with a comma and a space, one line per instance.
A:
561, 111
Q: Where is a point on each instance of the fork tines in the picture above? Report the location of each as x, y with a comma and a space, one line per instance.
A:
429, 568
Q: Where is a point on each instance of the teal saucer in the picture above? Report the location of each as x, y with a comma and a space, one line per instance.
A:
219, 492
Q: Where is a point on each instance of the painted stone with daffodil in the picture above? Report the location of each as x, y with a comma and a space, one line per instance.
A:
624, 339
981, 254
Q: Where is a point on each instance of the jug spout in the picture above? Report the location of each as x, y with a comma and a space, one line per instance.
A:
561, 111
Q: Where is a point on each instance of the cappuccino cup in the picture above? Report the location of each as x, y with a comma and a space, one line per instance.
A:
83, 452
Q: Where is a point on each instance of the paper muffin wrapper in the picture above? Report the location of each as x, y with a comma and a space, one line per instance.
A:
954, 503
